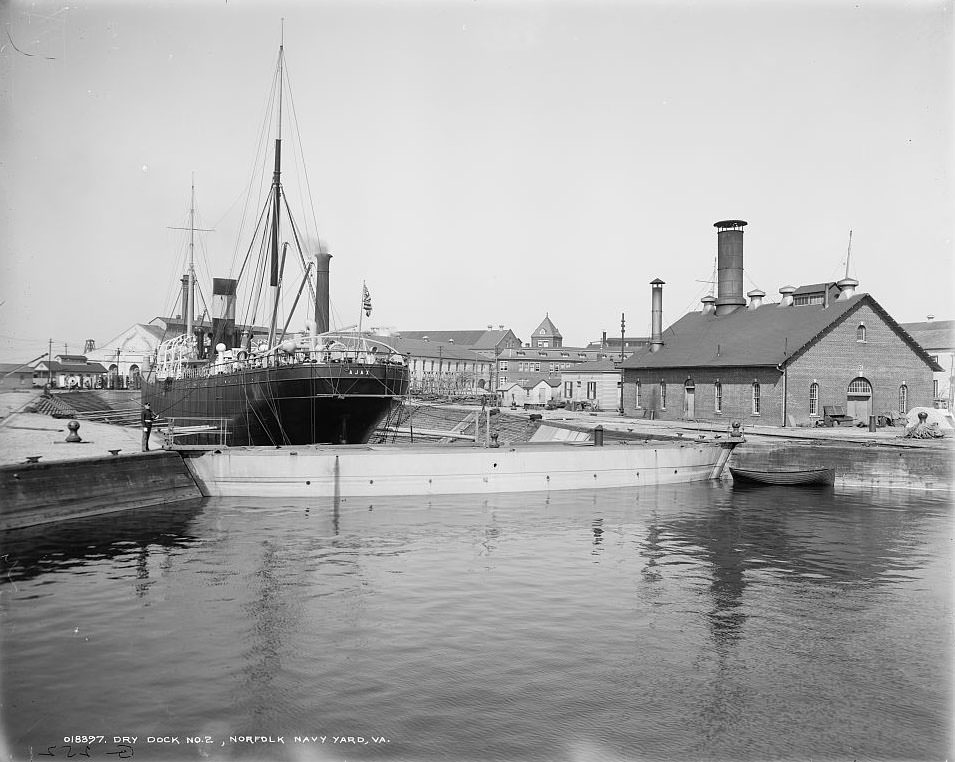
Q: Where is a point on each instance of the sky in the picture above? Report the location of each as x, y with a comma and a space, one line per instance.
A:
474, 162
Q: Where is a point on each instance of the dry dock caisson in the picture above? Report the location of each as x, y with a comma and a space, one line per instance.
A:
369, 470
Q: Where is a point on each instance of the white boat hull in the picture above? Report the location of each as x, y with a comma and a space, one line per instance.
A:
378, 470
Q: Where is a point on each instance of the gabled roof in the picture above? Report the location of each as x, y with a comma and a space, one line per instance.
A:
933, 334
594, 366
486, 339
549, 329
435, 349
9, 368
60, 367
768, 336
545, 354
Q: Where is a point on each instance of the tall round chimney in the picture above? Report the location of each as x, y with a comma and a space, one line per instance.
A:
322, 260
729, 266
656, 315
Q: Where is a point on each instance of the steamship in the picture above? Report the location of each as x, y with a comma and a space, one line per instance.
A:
235, 388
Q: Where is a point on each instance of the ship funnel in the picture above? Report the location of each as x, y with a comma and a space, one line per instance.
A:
729, 265
322, 260
223, 311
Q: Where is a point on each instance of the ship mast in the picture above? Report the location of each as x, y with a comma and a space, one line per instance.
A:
190, 308
276, 204
189, 301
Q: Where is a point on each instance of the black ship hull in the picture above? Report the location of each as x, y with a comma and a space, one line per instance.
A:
304, 403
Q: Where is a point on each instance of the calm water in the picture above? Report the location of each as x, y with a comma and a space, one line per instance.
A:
687, 622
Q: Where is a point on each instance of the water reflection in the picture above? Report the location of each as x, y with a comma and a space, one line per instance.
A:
59, 547
660, 618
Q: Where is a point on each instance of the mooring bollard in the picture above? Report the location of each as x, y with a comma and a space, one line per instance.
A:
871, 423
73, 426
599, 436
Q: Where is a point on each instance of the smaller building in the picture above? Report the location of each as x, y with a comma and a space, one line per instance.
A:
16, 376
937, 337
536, 392
69, 372
596, 383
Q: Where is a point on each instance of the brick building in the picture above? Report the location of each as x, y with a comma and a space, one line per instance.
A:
937, 337
776, 364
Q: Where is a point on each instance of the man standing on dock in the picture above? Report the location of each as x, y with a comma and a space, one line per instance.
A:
147, 419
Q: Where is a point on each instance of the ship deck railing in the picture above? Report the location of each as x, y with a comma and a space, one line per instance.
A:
275, 358
181, 427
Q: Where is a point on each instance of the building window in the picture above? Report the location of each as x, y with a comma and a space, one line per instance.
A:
814, 399
860, 333
717, 397
591, 390
503, 365
663, 395
638, 393
537, 367
568, 389
935, 388
502, 381
755, 397
543, 343
903, 399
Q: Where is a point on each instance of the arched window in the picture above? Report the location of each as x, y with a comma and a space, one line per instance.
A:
717, 397
903, 399
755, 397
860, 332
813, 398
663, 395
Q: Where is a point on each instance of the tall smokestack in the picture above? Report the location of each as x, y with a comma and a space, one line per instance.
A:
656, 315
729, 265
322, 259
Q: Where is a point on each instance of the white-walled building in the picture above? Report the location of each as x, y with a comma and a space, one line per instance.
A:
597, 383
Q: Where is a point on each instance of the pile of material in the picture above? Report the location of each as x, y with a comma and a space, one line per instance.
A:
929, 423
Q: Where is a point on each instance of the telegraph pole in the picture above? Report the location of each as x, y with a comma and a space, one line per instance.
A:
623, 327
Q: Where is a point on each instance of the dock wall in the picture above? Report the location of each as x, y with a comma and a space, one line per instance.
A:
857, 464
38, 493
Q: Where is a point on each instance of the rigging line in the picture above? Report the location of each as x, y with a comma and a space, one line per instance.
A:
252, 305
294, 305
255, 231
298, 246
263, 264
298, 134
260, 160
